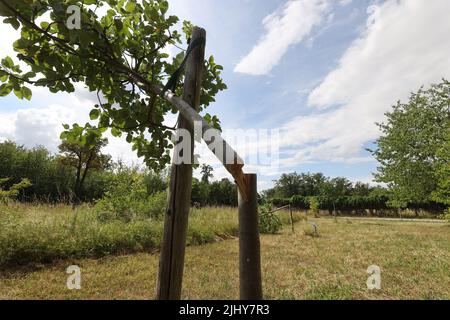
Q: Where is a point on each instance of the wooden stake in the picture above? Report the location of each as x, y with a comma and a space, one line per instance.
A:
249, 245
171, 263
292, 218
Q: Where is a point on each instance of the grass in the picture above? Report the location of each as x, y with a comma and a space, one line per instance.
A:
414, 258
43, 233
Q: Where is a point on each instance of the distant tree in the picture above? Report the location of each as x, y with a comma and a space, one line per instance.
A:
336, 187
50, 180
155, 182
223, 193
410, 148
442, 192
200, 192
361, 189
288, 185
81, 149
304, 184
207, 173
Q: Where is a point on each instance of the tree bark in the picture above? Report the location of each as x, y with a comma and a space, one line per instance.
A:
249, 245
179, 198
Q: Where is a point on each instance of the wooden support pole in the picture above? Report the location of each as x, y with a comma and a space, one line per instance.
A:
291, 217
171, 263
249, 246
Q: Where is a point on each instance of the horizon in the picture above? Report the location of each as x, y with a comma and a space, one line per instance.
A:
326, 110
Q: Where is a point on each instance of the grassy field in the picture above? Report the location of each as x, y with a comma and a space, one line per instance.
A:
414, 258
33, 234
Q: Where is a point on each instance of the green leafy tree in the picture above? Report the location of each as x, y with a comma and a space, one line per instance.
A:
207, 173
410, 148
361, 189
442, 192
51, 181
120, 56
81, 149
336, 187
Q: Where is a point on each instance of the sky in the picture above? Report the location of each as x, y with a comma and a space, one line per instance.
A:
316, 75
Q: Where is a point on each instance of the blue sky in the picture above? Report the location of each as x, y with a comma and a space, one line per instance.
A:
321, 71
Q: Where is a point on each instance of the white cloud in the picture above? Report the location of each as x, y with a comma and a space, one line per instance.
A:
42, 125
345, 2
9, 35
403, 47
287, 26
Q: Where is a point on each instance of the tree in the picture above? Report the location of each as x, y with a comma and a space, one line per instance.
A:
409, 149
206, 172
120, 56
361, 189
304, 184
288, 185
336, 187
442, 192
81, 149
50, 180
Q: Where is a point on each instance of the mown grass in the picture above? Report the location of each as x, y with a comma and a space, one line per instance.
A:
43, 233
414, 258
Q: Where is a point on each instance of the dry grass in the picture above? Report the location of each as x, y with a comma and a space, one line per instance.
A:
414, 259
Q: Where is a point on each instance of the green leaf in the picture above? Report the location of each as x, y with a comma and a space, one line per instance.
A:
5, 89
119, 24
94, 114
18, 93
164, 6
8, 62
13, 22
44, 25
130, 6
66, 126
26, 93
116, 132
129, 138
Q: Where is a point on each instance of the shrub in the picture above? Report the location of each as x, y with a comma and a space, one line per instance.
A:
311, 230
280, 202
300, 202
127, 199
268, 221
446, 215
314, 206
14, 190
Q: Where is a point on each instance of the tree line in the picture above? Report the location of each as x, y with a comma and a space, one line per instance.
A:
413, 152
79, 173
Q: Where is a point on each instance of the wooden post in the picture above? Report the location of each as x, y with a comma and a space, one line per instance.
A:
291, 217
171, 263
249, 246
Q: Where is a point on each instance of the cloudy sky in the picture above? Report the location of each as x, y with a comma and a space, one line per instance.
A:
319, 72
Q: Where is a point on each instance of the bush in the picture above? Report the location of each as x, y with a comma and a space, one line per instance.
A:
311, 230
14, 190
446, 215
300, 202
127, 199
314, 206
268, 221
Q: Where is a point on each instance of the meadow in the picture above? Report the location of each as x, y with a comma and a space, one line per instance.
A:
42, 233
120, 260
